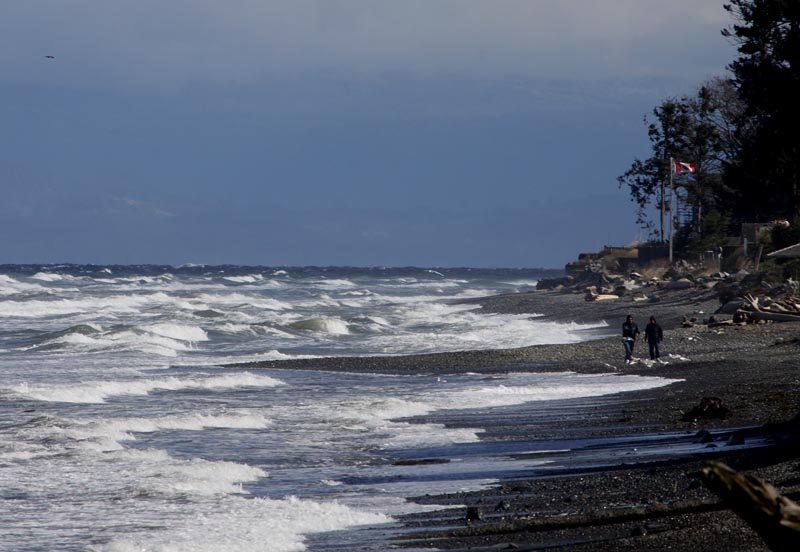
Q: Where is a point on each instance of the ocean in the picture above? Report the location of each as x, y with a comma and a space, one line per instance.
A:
121, 431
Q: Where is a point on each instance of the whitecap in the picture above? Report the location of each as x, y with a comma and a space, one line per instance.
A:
84, 306
178, 331
247, 279
127, 340
110, 433
335, 283
332, 326
99, 391
10, 286
47, 277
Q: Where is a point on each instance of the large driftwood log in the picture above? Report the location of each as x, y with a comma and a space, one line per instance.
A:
771, 316
591, 294
754, 312
773, 516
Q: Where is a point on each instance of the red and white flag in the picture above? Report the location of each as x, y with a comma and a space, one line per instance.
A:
679, 167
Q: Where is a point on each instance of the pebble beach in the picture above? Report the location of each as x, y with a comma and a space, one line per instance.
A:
603, 499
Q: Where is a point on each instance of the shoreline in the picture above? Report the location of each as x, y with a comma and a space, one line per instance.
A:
753, 369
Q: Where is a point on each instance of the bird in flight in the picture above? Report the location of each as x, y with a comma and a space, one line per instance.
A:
50, 57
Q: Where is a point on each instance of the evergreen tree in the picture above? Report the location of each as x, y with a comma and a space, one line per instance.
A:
765, 177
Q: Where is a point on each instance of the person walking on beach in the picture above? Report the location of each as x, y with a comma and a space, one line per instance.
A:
629, 332
653, 334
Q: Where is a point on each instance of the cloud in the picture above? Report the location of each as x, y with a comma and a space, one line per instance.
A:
155, 44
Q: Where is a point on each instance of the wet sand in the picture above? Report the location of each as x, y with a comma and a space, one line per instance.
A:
633, 484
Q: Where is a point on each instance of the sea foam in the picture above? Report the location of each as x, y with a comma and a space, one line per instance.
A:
240, 525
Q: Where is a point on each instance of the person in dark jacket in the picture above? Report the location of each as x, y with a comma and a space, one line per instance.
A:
653, 334
629, 333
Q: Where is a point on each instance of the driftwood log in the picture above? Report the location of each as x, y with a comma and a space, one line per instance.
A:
591, 294
773, 516
785, 311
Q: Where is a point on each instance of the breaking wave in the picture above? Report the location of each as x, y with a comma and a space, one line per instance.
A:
100, 391
333, 326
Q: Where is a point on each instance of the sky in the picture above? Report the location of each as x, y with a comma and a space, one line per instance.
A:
481, 133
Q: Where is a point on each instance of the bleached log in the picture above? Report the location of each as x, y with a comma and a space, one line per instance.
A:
754, 312
773, 516
751, 301
605, 297
770, 316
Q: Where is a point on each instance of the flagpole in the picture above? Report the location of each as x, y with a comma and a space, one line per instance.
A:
663, 205
671, 207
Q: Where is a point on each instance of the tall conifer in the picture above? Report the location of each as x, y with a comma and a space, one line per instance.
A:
766, 174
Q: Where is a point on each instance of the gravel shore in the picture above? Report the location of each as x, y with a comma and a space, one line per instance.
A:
645, 503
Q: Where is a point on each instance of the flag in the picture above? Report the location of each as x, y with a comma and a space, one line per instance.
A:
679, 167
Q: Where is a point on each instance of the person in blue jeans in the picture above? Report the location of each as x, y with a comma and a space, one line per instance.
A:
653, 334
629, 333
